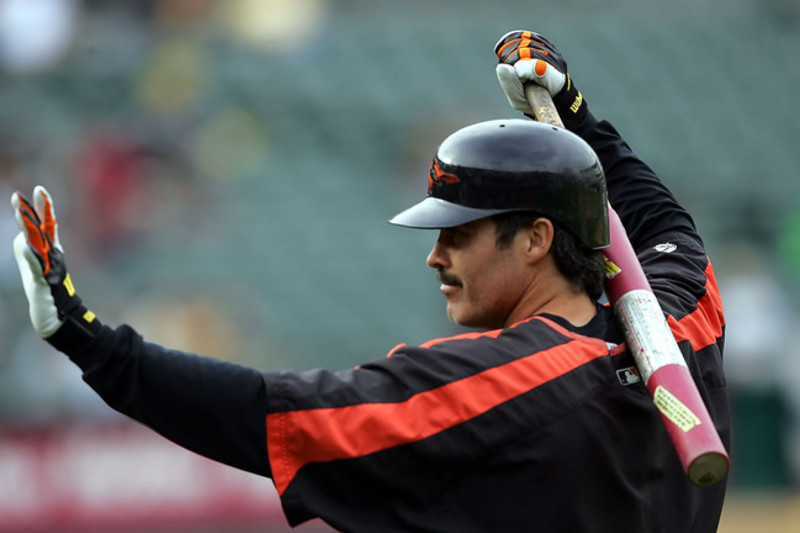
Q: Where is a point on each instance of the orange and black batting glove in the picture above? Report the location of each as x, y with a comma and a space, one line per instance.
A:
52, 300
528, 57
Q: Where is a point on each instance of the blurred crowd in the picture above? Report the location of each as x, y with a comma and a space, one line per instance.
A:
121, 110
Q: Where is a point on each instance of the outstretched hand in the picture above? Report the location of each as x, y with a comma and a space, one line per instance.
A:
48, 286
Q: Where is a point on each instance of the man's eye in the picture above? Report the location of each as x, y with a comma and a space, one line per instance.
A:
458, 236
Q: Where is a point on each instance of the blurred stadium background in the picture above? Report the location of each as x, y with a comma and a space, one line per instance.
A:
223, 172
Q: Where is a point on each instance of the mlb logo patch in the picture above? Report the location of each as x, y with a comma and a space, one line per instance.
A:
628, 376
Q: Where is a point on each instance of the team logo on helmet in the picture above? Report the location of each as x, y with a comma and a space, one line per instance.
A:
437, 177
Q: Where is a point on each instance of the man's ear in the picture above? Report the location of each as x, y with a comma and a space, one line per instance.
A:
539, 238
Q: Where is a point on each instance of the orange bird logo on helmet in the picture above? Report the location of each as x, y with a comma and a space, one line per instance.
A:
437, 177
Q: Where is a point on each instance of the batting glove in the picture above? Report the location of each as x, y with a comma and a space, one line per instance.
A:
527, 56
52, 299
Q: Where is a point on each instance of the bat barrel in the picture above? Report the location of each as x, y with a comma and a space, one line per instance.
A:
689, 425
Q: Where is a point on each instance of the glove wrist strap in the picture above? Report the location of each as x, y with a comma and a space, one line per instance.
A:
80, 326
570, 104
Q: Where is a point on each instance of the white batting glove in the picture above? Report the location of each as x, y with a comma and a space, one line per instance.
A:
513, 78
52, 299
528, 57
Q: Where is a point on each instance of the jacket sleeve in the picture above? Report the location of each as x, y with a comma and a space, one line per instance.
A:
212, 407
661, 231
644, 204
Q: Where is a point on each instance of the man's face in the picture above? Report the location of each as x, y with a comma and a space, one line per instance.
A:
483, 283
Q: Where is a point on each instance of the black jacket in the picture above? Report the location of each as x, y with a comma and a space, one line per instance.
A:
538, 427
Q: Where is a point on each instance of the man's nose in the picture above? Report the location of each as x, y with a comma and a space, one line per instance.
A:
438, 258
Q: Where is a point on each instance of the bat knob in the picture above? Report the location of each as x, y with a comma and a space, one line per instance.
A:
709, 468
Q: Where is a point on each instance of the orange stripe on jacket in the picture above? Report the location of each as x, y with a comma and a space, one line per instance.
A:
297, 438
494, 333
703, 326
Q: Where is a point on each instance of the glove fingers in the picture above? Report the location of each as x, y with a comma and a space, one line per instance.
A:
42, 308
507, 41
30, 225
518, 45
509, 36
515, 36
512, 87
525, 50
542, 73
46, 212
26, 257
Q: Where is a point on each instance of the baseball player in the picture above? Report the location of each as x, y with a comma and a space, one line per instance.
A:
535, 421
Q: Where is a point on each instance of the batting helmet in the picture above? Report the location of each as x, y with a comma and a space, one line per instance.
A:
500, 166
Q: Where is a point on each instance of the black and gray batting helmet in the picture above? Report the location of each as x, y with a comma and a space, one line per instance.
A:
501, 166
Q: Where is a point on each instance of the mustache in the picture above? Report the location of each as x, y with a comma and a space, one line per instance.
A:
447, 279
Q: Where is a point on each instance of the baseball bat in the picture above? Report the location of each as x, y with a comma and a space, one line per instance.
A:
658, 358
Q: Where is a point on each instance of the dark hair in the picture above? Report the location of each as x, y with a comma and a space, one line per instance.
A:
581, 265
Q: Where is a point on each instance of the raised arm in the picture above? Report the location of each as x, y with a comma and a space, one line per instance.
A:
211, 407
645, 205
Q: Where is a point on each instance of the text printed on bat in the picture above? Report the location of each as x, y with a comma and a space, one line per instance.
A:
675, 410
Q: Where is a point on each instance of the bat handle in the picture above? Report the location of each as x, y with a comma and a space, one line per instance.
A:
544, 110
